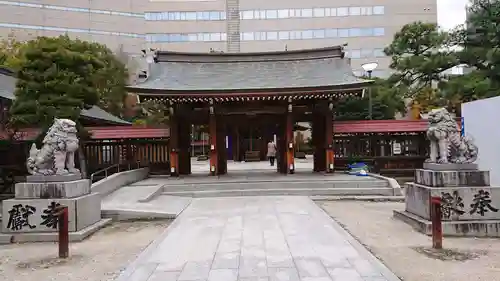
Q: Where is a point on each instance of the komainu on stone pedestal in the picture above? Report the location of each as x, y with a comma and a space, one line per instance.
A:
447, 143
57, 154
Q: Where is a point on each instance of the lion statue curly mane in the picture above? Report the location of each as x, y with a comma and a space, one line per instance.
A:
447, 145
57, 154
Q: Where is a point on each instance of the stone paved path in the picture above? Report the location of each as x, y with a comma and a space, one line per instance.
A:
255, 238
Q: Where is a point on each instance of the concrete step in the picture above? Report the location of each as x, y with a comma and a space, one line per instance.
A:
283, 191
268, 185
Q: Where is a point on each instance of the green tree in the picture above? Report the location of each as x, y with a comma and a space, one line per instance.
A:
386, 102
111, 79
55, 79
156, 113
480, 50
10, 52
464, 88
420, 52
480, 39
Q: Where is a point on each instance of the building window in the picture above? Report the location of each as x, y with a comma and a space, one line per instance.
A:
378, 10
71, 9
307, 13
310, 13
331, 33
343, 32
378, 31
283, 14
284, 35
319, 12
186, 37
185, 16
319, 33
355, 11
279, 35
247, 15
355, 32
366, 53
378, 53
74, 30
342, 12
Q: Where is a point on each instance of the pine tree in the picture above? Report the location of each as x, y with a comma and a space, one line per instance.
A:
55, 80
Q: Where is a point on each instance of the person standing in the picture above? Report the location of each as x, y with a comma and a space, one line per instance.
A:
271, 152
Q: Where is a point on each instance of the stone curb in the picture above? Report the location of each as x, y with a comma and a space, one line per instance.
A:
396, 188
359, 198
152, 195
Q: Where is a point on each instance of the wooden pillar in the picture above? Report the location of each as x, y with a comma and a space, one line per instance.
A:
184, 139
281, 163
329, 139
174, 142
290, 159
212, 131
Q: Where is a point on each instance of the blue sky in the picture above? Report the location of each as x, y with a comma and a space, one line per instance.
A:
451, 13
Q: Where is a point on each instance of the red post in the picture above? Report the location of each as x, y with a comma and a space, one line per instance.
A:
437, 228
63, 231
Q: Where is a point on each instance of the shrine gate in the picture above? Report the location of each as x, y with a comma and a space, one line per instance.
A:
236, 94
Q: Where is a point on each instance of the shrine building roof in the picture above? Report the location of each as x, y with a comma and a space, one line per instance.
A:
177, 72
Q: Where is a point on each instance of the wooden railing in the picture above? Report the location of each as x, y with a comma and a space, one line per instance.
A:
149, 152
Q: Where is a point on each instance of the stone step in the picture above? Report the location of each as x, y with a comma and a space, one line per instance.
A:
283, 191
269, 185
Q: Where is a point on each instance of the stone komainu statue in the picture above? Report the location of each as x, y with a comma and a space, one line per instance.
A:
447, 143
57, 154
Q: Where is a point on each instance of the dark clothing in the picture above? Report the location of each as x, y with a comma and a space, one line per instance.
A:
271, 160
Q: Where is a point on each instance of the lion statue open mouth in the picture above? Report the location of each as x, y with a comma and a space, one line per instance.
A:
446, 142
57, 154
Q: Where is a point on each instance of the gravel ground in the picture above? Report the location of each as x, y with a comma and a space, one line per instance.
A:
408, 253
98, 258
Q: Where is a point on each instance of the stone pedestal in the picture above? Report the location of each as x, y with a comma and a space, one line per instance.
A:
469, 205
44, 190
29, 213
454, 178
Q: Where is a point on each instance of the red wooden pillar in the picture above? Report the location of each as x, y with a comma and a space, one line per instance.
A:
290, 159
174, 143
329, 139
212, 131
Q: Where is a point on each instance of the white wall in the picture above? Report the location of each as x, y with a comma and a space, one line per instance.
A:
482, 122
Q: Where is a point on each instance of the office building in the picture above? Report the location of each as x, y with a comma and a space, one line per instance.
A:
366, 26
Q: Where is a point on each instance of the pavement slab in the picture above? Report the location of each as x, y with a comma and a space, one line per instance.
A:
255, 238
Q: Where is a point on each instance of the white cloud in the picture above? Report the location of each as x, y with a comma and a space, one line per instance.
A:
451, 13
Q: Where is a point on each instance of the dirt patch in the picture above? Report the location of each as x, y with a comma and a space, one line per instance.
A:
49, 262
132, 226
408, 253
449, 254
101, 257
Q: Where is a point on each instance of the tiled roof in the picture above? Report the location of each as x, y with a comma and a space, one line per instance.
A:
96, 112
176, 71
8, 85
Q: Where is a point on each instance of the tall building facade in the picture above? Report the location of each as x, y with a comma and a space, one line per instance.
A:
366, 26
